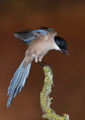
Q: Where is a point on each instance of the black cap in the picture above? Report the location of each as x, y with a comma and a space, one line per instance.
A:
62, 44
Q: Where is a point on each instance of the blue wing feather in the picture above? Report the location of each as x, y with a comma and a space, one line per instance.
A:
28, 35
18, 81
41, 31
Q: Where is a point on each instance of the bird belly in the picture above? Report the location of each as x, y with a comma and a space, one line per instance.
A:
37, 50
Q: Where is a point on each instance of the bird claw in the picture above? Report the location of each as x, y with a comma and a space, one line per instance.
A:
43, 64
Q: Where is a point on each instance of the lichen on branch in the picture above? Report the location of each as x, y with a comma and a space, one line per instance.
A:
45, 100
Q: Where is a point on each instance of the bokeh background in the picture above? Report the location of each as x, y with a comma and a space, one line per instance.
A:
67, 17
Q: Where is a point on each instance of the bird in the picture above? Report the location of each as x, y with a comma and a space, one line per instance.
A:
39, 42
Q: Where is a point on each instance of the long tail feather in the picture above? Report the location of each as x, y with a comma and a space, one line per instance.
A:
18, 81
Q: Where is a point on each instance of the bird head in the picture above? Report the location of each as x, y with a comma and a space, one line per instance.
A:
62, 44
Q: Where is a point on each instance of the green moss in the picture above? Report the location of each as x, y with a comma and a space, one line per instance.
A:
45, 100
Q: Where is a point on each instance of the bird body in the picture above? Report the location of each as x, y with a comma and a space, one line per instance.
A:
38, 48
39, 41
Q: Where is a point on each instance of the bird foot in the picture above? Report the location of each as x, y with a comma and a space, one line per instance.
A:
43, 64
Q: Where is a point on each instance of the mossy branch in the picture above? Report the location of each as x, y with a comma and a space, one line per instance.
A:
45, 100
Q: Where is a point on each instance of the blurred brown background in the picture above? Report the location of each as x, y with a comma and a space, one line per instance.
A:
67, 17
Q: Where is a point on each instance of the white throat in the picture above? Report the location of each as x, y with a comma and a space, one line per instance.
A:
56, 47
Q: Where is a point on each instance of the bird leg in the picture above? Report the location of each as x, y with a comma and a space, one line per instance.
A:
36, 59
40, 58
42, 64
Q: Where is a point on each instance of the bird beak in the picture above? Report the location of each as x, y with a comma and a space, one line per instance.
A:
65, 52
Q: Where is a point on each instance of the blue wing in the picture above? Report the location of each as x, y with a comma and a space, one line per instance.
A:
28, 35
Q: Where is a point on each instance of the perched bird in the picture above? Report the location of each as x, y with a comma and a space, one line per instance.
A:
39, 41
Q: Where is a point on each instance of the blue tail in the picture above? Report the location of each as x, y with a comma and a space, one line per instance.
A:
18, 81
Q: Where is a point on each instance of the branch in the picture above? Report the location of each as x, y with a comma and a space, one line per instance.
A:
45, 100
